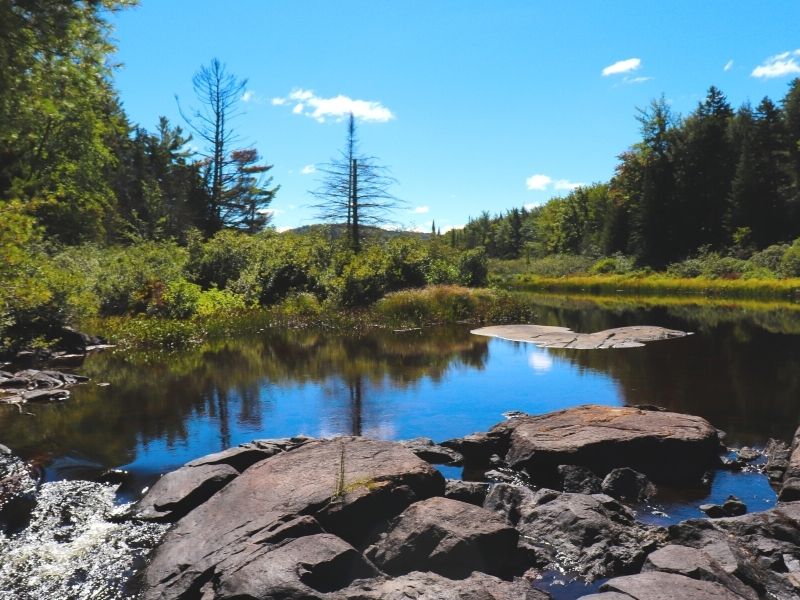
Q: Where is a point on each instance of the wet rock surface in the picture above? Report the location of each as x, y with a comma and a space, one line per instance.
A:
17, 490
663, 586
32, 385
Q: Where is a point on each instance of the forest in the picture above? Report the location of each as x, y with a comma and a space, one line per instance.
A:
100, 217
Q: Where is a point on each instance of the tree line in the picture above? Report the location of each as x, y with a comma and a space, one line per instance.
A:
717, 179
73, 163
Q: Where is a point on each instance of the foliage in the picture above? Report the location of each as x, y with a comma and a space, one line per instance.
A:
790, 261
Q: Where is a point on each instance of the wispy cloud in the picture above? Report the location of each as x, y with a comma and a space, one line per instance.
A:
421, 210
636, 79
542, 183
728, 66
622, 66
248, 96
308, 170
779, 65
307, 103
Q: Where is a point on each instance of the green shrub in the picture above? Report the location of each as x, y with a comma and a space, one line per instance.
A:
790, 261
617, 264
219, 302
179, 300
769, 258
473, 267
222, 259
560, 265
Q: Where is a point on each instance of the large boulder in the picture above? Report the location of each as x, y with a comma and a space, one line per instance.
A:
448, 537
586, 536
430, 586
662, 586
347, 487
760, 549
696, 564
665, 446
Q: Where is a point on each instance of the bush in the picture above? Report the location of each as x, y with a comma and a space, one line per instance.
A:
179, 300
222, 259
769, 258
473, 267
560, 265
617, 264
219, 302
790, 261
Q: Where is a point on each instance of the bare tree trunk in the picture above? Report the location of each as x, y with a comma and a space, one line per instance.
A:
354, 235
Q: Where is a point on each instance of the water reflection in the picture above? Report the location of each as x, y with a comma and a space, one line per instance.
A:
741, 370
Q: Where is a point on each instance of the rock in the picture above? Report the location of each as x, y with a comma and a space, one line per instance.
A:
790, 490
693, 563
45, 396
734, 507
793, 466
747, 454
713, 511
585, 536
240, 458
113, 476
430, 586
666, 586
17, 491
348, 487
625, 483
547, 336
179, 492
428, 451
665, 446
73, 341
477, 448
578, 480
301, 568
777, 453
760, 549
473, 492
447, 537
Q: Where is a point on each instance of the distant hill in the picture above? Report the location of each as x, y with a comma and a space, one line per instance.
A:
340, 229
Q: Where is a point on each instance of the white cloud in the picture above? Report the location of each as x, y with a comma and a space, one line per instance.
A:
544, 182
271, 211
308, 170
337, 107
779, 65
421, 210
446, 228
565, 184
284, 228
248, 96
622, 66
532, 205
728, 66
538, 182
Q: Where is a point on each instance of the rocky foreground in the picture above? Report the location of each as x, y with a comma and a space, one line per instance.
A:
359, 518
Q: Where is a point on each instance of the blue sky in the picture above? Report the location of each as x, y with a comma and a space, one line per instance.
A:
474, 105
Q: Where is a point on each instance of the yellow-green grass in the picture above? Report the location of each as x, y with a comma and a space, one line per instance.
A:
660, 285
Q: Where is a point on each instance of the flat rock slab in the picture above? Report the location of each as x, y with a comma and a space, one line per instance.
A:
345, 486
430, 586
665, 446
547, 336
445, 536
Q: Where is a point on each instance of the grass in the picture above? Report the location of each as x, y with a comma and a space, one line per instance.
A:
660, 285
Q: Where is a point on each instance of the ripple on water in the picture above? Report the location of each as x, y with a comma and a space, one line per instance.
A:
76, 546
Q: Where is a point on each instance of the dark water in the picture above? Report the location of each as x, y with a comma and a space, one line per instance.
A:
740, 370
